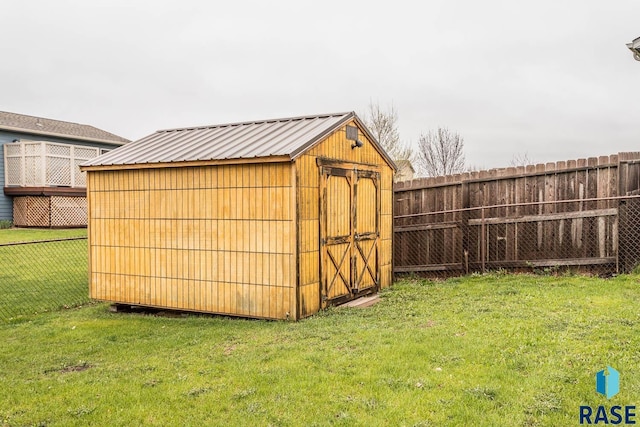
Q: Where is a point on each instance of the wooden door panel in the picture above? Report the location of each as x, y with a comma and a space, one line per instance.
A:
366, 264
338, 270
367, 233
337, 240
366, 206
349, 233
338, 206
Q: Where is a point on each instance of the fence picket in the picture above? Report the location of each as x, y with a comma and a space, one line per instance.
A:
579, 212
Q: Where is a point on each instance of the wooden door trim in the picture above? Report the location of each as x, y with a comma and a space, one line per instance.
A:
339, 164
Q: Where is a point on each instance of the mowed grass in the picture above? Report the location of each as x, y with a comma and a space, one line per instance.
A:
12, 235
495, 350
42, 276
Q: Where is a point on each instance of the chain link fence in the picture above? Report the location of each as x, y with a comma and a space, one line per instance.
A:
42, 276
599, 236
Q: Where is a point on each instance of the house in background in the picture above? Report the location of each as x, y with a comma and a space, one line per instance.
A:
39, 172
405, 171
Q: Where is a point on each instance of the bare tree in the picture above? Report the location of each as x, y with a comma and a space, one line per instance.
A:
384, 127
521, 160
441, 152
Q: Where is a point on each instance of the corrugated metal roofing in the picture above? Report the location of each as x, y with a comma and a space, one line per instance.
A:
267, 138
42, 126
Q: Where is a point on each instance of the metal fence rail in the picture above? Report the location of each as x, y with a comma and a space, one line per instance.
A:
599, 235
42, 276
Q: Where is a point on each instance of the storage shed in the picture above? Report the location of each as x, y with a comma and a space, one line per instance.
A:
269, 219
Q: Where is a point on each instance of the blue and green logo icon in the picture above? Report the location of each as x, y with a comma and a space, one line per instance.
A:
608, 382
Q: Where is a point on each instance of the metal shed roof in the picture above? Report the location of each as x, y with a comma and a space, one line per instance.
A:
257, 139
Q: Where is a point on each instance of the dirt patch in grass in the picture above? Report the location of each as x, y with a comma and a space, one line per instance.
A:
65, 369
75, 368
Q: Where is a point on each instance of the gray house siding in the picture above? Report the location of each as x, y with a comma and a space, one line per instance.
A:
6, 204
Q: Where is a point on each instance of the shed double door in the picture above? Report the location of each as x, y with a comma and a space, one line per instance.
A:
349, 231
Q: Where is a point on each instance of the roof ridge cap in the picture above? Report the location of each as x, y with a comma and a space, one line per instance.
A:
254, 122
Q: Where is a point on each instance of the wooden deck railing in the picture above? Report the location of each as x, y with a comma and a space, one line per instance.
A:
46, 164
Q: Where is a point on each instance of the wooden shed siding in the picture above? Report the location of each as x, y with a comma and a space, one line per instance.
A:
386, 227
336, 147
309, 238
218, 239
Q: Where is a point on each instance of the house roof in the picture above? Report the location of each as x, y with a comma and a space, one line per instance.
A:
404, 164
41, 126
288, 137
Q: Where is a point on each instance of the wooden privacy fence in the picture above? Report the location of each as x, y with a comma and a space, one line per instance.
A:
582, 213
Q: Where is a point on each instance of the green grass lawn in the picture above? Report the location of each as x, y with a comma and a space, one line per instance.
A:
478, 351
11, 235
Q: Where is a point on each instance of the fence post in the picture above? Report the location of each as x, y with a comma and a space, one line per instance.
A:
482, 239
43, 164
72, 167
23, 165
464, 224
6, 169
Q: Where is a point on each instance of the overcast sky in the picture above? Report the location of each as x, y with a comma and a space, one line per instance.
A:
549, 78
